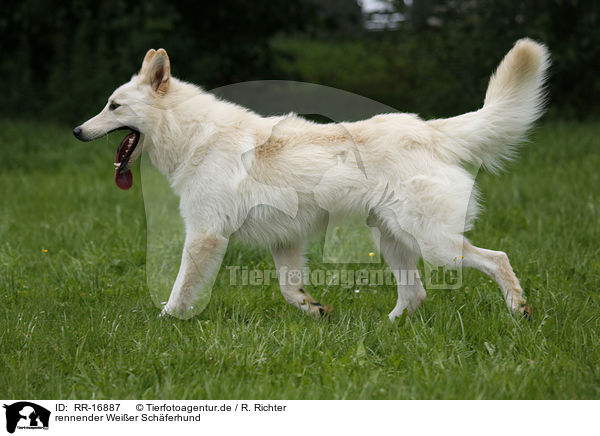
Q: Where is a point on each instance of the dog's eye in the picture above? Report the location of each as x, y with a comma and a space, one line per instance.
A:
113, 106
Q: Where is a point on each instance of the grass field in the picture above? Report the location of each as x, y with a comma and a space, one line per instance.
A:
77, 321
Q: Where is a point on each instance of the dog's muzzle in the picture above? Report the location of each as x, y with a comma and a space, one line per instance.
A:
77, 132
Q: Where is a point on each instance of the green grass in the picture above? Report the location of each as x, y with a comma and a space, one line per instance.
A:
77, 321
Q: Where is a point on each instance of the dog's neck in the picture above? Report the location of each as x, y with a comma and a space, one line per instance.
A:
186, 129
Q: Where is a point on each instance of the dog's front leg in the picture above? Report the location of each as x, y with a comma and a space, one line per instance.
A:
289, 262
200, 262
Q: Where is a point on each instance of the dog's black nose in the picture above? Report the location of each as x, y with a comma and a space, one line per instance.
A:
77, 132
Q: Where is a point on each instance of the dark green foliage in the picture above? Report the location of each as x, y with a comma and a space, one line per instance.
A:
483, 31
60, 60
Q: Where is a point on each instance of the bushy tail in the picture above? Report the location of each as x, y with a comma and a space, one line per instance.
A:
513, 101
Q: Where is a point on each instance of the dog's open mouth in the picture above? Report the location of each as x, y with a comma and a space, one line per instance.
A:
123, 176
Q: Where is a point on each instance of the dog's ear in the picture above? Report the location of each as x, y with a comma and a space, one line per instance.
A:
158, 71
149, 55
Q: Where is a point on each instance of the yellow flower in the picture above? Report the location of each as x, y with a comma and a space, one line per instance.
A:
44, 250
371, 254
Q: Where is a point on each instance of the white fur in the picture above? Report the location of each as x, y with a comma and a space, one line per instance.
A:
223, 160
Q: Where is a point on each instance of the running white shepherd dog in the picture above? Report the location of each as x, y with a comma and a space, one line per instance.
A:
411, 181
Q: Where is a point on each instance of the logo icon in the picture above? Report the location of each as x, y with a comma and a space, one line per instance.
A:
26, 415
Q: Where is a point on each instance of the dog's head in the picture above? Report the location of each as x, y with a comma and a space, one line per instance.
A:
134, 106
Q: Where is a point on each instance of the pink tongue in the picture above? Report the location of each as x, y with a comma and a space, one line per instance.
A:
124, 180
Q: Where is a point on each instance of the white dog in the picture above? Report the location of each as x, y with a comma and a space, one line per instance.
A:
411, 180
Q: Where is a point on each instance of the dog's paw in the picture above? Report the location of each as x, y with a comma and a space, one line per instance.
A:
523, 309
320, 311
308, 304
174, 311
526, 310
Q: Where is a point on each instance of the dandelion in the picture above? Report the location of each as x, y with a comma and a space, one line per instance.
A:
44, 250
371, 254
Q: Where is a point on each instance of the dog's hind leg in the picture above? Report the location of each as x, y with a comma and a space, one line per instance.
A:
200, 262
289, 262
496, 265
403, 264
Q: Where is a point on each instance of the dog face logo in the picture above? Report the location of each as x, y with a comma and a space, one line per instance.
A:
26, 415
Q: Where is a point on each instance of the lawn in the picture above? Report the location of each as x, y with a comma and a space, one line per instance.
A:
77, 319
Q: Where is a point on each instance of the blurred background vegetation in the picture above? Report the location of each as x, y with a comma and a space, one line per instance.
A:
60, 60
